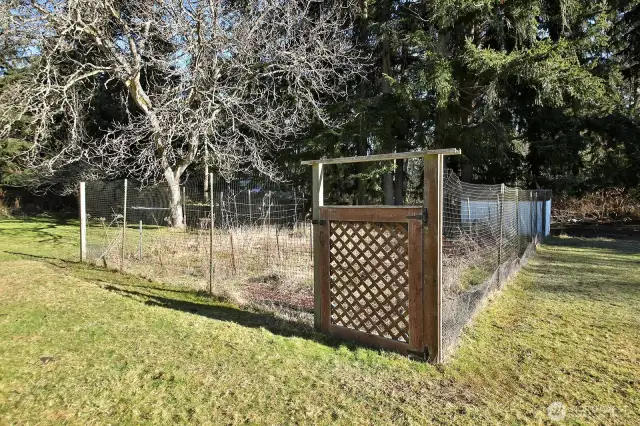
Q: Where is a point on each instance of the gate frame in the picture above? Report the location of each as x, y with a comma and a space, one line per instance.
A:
433, 161
412, 217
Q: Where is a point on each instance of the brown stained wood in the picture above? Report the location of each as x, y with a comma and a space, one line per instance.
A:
369, 269
325, 271
383, 157
318, 201
368, 339
432, 263
416, 318
371, 213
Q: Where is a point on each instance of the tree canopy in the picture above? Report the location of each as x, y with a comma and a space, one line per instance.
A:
536, 93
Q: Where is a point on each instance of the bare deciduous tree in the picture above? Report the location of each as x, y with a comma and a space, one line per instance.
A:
236, 77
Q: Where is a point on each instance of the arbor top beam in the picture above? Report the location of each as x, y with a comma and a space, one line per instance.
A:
384, 157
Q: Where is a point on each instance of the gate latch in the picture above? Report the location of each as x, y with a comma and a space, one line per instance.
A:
424, 217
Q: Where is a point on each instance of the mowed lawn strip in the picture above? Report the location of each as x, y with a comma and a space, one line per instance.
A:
90, 346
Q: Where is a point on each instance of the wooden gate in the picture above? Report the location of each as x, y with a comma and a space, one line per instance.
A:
371, 275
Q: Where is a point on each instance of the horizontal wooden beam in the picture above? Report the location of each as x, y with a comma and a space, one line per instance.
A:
373, 206
383, 157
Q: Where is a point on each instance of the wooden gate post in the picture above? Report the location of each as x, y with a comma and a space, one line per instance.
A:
83, 223
318, 201
124, 226
432, 256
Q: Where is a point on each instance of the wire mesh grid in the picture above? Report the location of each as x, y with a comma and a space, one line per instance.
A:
487, 231
255, 238
260, 233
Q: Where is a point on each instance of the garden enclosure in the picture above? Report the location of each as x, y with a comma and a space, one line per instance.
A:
247, 239
383, 274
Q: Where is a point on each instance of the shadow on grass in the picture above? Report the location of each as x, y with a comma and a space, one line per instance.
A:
40, 257
610, 274
151, 293
619, 246
41, 233
221, 310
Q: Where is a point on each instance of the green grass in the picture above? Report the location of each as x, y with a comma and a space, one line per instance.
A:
83, 345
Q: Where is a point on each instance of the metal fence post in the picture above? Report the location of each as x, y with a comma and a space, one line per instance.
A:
250, 207
531, 215
544, 213
518, 222
211, 222
83, 223
124, 226
501, 222
184, 208
535, 215
140, 241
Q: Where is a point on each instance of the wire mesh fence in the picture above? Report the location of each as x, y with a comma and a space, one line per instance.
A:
489, 231
251, 240
247, 239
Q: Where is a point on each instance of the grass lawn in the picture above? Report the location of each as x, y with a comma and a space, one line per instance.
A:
88, 346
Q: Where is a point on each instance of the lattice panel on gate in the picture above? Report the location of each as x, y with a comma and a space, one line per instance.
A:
369, 277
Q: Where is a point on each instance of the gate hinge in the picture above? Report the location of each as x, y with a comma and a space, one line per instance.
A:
319, 222
424, 217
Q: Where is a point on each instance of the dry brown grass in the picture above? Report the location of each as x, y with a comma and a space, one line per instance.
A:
260, 264
613, 204
465, 263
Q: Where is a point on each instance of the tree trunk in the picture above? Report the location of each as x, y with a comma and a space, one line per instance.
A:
362, 168
387, 179
176, 216
362, 24
387, 186
442, 110
399, 183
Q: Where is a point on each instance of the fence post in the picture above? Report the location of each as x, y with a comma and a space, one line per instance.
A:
140, 242
211, 265
317, 184
184, 208
222, 215
124, 225
531, 214
544, 213
233, 255
518, 221
235, 207
535, 218
432, 256
83, 223
278, 243
501, 221
250, 207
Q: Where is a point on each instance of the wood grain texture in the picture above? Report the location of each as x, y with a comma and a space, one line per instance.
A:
371, 213
317, 181
368, 339
383, 157
324, 271
432, 256
416, 312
